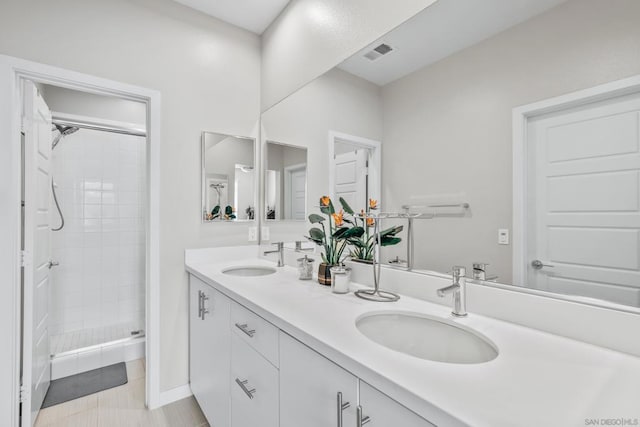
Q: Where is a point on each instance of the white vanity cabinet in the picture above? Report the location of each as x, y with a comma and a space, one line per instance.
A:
376, 409
209, 350
314, 392
246, 372
254, 387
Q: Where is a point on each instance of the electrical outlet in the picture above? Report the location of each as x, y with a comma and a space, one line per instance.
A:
253, 234
265, 233
503, 236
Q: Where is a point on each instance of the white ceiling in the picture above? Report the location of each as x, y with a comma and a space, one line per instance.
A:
252, 15
440, 30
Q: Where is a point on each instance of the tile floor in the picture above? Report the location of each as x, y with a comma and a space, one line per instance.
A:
122, 407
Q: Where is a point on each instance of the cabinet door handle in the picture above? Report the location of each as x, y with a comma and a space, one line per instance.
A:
361, 420
200, 305
205, 310
243, 386
244, 328
341, 407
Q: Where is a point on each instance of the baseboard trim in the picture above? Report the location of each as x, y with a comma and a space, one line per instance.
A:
175, 394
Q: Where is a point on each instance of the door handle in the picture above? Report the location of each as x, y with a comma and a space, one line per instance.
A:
244, 328
538, 265
361, 419
53, 263
341, 407
243, 386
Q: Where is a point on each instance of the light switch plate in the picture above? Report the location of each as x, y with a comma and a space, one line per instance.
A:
265, 233
253, 234
503, 236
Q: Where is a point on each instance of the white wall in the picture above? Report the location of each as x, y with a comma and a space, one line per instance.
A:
62, 100
186, 56
312, 36
447, 127
336, 101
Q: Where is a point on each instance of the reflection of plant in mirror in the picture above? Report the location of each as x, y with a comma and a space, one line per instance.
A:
215, 213
365, 244
334, 237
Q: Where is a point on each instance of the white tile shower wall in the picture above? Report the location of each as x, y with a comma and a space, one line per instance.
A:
101, 188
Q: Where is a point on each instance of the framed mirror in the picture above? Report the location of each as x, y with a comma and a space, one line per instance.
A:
444, 106
229, 179
285, 182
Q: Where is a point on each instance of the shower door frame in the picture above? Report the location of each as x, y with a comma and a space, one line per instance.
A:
13, 72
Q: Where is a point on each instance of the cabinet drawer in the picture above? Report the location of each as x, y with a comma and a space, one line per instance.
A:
255, 331
254, 388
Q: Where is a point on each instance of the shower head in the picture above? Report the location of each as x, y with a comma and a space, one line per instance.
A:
62, 131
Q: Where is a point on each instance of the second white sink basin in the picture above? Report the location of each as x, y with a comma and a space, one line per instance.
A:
249, 271
426, 337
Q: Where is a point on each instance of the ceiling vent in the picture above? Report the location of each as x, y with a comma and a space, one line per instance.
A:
378, 51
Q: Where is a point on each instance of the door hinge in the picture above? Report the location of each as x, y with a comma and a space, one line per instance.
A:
24, 394
25, 258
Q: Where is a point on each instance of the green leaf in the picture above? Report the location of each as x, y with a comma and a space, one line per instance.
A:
346, 206
315, 218
390, 241
392, 231
316, 235
340, 232
353, 232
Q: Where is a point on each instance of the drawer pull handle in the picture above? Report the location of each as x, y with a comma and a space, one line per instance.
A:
361, 420
341, 407
243, 386
244, 328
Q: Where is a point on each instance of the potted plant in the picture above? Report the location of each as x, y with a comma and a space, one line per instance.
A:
333, 235
365, 244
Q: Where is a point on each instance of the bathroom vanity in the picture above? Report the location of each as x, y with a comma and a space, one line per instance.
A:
272, 350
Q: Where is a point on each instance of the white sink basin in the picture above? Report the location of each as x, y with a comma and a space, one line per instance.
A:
249, 271
426, 337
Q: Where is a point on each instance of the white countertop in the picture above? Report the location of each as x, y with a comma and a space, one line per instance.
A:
538, 379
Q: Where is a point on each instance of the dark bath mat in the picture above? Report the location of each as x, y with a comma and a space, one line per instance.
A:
85, 383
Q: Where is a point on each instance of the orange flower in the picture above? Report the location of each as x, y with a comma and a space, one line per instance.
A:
370, 222
325, 200
337, 218
373, 204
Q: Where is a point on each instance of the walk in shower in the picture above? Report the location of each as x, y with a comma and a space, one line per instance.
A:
98, 242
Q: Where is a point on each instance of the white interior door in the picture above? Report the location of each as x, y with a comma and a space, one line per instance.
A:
351, 178
584, 201
296, 193
36, 366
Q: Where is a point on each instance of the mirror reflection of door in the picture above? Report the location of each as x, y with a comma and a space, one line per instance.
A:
285, 182
351, 174
584, 203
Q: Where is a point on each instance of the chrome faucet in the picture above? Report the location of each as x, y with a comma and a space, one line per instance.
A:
299, 247
280, 252
459, 291
480, 272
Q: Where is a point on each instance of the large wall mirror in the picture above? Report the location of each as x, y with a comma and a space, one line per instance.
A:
441, 102
285, 182
228, 178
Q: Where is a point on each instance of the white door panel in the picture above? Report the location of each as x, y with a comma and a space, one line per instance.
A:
584, 201
351, 178
36, 366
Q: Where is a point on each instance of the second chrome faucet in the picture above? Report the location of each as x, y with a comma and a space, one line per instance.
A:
459, 291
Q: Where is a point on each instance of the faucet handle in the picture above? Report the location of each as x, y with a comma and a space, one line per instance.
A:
458, 271
480, 266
